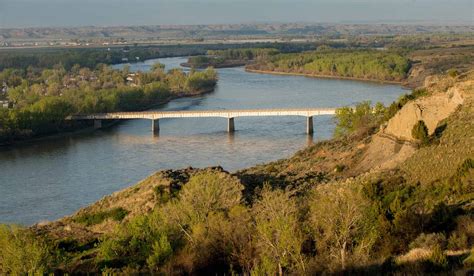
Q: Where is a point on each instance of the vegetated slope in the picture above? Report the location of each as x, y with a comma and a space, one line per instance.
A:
429, 62
319, 211
452, 145
394, 142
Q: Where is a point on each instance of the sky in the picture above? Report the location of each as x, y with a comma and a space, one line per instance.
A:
53, 13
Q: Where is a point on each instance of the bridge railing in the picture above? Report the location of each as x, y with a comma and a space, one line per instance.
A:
155, 116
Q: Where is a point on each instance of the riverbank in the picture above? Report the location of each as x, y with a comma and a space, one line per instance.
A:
227, 64
89, 129
322, 76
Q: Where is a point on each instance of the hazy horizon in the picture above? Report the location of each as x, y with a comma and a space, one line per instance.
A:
71, 13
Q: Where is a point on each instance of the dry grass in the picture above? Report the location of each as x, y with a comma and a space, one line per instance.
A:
413, 256
443, 157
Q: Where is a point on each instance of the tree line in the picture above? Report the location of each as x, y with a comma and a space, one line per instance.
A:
230, 57
90, 57
42, 98
363, 64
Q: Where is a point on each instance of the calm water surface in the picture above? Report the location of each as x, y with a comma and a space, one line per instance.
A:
50, 179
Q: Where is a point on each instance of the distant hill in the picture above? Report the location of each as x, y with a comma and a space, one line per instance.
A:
225, 31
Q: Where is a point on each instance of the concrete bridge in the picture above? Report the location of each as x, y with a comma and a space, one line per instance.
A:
155, 116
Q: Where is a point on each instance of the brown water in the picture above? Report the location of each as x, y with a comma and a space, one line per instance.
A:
50, 179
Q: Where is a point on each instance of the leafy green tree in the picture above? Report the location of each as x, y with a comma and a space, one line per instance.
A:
142, 240
342, 223
206, 193
362, 117
278, 234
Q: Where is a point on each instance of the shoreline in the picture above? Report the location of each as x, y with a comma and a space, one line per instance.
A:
216, 66
91, 129
257, 71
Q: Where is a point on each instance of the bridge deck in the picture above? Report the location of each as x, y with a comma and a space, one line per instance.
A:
153, 115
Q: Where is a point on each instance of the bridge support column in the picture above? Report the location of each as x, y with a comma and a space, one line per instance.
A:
309, 125
97, 124
155, 125
230, 125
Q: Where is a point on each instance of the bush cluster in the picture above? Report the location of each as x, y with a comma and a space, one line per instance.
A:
208, 228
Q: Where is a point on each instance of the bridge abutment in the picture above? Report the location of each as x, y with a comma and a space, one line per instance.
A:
309, 125
97, 124
155, 125
230, 125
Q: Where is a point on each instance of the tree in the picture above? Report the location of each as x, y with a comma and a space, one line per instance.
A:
200, 215
420, 132
278, 235
342, 223
158, 67
208, 192
362, 117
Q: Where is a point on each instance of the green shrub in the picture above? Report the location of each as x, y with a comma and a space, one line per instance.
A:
162, 194
453, 73
339, 168
22, 253
141, 240
160, 252
420, 132
117, 214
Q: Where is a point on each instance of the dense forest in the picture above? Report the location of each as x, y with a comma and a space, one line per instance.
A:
360, 64
42, 98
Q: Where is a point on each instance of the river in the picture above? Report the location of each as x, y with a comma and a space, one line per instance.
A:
48, 179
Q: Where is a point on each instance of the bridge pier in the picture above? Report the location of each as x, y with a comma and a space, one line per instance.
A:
155, 125
97, 124
309, 125
230, 125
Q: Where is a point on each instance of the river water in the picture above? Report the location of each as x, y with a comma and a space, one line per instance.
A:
52, 178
